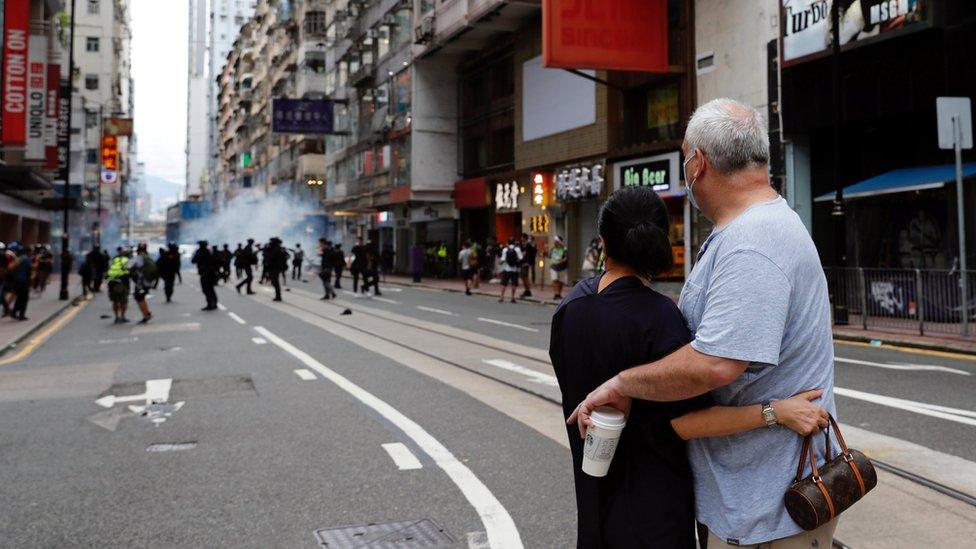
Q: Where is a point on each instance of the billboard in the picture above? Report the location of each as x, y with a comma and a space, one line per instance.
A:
116, 125
806, 24
36, 97
308, 116
624, 35
15, 42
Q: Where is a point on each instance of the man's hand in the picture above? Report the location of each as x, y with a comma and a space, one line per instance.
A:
609, 394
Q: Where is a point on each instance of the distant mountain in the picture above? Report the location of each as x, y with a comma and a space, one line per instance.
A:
163, 191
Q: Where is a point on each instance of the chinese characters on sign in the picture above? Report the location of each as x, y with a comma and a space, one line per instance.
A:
574, 183
539, 223
506, 195
541, 190
301, 116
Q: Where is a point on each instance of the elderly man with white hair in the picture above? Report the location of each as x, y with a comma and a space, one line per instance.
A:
756, 302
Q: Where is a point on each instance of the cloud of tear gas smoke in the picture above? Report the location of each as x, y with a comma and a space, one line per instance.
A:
291, 219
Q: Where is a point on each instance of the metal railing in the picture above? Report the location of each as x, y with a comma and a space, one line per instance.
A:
916, 300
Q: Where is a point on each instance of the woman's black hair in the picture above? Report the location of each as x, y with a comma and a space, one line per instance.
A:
634, 226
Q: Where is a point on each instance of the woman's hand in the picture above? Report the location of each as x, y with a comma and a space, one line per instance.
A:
800, 414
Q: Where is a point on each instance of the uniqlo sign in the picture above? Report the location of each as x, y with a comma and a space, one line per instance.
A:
16, 17
110, 152
36, 97
624, 35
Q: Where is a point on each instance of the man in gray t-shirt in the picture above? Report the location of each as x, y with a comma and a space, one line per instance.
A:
757, 303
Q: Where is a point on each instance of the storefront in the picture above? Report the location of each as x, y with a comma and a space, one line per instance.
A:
579, 190
472, 199
435, 225
662, 174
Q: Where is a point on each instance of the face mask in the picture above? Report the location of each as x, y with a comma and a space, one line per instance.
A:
690, 188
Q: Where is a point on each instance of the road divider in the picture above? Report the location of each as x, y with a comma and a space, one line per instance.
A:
500, 527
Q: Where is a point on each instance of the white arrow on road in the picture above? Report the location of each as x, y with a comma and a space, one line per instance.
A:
157, 391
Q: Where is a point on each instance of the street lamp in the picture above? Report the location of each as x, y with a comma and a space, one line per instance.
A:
65, 252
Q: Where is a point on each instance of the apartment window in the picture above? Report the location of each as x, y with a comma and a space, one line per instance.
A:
315, 22
91, 156
91, 43
93, 7
238, 19
91, 81
91, 119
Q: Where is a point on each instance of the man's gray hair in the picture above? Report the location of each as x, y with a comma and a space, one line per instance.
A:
732, 134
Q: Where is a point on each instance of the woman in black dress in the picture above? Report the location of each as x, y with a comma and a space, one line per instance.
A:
615, 321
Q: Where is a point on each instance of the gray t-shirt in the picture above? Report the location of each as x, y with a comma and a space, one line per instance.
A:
758, 293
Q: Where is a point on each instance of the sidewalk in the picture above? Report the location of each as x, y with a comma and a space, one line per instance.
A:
40, 309
890, 336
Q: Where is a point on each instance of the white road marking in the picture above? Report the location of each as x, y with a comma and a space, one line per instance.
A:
236, 318
385, 300
433, 310
347, 292
402, 456
157, 390
392, 289
259, 340
120, 340
477, 540
499, 525
305, 374
965, 417
533, 375
509, 324
221, 307
902, 366
160, 328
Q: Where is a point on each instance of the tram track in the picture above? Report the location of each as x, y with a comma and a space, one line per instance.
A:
897, 471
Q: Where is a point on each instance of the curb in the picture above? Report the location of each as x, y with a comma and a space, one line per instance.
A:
894, 341
535, 300
15, 343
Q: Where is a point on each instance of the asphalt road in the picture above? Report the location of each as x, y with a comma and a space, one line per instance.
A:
274, 422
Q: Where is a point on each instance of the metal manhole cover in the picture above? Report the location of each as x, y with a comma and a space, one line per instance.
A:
400, 535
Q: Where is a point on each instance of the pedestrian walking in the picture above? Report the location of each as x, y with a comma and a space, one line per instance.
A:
327, 267
615, 321
558, 264
591, 259
417, 262
340, 264
238, 265
118, 285
20, 280
207, 266
358, 264
143, 272
224, 257
527, 265
99, 265
247, 260
387, 256
297, 258
277, 265
43, 266
85, 272
371, 270
169, 265
7, 261
511, 258
464, 263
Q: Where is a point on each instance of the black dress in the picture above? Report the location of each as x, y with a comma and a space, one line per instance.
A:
647, 498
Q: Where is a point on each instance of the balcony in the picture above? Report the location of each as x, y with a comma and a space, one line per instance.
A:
310, 84
364, 76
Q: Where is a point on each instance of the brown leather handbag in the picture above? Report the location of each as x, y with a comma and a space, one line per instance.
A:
830, 490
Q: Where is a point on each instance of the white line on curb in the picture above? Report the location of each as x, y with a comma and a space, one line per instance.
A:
433, 310
305, 374
509, 324
236, 318
402, 456
499, 525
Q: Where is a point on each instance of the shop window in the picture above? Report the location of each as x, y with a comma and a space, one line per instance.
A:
503, 80
402, 31
502, 146
91, 119
91, 156
382, 41
654, 113
401, 91
400, 162
382, 95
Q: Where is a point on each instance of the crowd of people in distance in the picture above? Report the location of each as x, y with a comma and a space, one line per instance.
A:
23, 268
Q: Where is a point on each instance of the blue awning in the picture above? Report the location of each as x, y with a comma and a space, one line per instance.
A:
903, 180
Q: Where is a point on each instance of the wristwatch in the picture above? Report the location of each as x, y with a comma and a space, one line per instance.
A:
768, 414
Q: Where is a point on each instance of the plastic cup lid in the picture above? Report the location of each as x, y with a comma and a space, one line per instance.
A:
608, 418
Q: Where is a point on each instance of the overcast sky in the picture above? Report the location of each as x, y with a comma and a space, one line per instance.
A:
159, 51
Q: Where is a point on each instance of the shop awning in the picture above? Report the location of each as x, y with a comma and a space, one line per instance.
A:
903, 180
23, 178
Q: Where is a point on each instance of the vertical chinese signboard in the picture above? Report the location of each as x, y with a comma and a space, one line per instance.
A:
110, 159
14, 116
625, 35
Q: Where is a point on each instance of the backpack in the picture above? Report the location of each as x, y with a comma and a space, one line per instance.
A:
150, 271
511, 257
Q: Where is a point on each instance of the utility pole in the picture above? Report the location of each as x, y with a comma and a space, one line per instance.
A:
65, 251
840, 228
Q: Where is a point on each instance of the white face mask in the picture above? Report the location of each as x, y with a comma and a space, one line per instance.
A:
690, 188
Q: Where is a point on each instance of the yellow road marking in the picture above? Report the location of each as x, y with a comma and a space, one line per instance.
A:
44, 334
913, 350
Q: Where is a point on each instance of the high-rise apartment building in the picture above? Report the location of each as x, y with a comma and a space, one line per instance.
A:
214, 25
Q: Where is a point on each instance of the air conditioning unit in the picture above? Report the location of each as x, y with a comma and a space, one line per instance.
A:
424, 32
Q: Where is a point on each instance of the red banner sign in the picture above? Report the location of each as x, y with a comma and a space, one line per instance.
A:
16, 17
624, 35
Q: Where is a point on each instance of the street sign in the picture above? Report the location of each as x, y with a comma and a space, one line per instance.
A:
958, 108
307, 116
109, 177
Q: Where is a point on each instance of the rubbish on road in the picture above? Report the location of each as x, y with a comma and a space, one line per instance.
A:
346, 312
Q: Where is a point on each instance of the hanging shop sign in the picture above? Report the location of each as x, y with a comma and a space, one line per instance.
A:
309, 116
52, 106
579, 182
542, 190
36, 97
116, 125
539, 224
109, 177
471, 193
626, 35
110, 154
16, 17
507, 195
64, 136
659, 172
806, 31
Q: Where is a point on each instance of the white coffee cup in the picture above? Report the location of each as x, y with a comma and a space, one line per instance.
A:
601, 440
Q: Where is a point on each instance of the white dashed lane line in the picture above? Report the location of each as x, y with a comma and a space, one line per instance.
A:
305, 374
402, 456
221, 307
259, 340
509, 324
433, 310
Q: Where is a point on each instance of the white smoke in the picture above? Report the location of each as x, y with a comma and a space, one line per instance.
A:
291, 219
